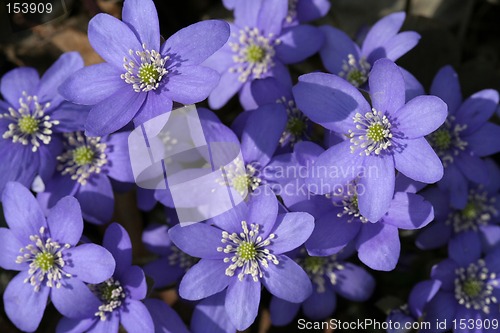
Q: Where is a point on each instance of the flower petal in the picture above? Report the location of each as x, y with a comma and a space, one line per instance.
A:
421, 116
198, 240
412, 86
72, 117
336, 49
191, 84
455, 183
382, 31
400, 44
263, 210
418, 161
227, 88
69, 325
298, 43
242, 302
112, 39
387, 87
354, 283
9, 247
14, 82
65, 221
142, 18
112, 324
444, 272
22, 212
23, 305
291, 230
117, 241
435, 235
246, 13
156, 104
409, 211
135, 317
312, 10
442, 309
119, 167
447, 87
320, 305
465, 248
135, 282
74, 289
484, 141
421, 294
165, 319
472, 167
205, 38
90, 263
96, 199
287, 280
378, 246
163, 273
282, 312
271, 16
477, 109
204, 279
209, 316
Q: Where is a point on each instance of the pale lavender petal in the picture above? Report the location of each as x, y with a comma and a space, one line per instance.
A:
271, 16
65, 221
191, 84
156, 103
73, 289
409, 211
246, 13
112, 324
242, 302
135, 317
165, 319
354, 283
291, 230
336, 49
155, 238
298, 43
119, 166
412, 86
198, 240
227, 88
209, 316
90, 263
247, 101
142, 18
72, 117
382, 31
378, 246
9, 247
263, 210
96, 199
400, 44
387, 87
14, 82
204, 279
447, 87
421, 116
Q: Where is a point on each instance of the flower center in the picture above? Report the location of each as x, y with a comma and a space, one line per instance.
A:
372, 134
248, 252
479, 211
320, 269
253, 54
314, 264
29, 124
349, 204
447, 142
111, 294
296, 126
45, 258
243, 178
474, 286
145, 69
82, 157
355, 72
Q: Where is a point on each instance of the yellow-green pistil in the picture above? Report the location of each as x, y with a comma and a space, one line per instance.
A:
472, 287
314, 265
296, 126
441, 139
148, 74
375, 132
44, 261
356, 77
255, 53
83, 155
470, 211
247, 251
28, 125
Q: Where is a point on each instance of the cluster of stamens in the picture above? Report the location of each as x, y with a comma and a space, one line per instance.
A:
83, 156
240, 176
296, 126
111, 293
29, 124
46, 263
479, 211
248, 252
320, 269
447, 142
372, 134
474, 286
254, 54
355, 72
145, 69
180, 259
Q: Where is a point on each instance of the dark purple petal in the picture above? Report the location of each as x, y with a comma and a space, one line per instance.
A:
155, 238
321, 242
421, 294
227, 88
299, 43
112, 39
14, 82
442, 308
400, 44
19, 164
287, 280
165, 319
73, 289
134, 281
433, 236
329, 101
444, 272
312, 10
378, 246
455, 183
354, 283
142, 18
65, 221
418, 161
492, 260
72, 117
198, 240
69, 325
484, 141
191, 84
447, 87
338, 45
268, 91
381, 32
9, 247
210, 316
490, 236
156, 104
114, 112
282, 312
291, 230
163, 273
23, 305
320, 305
135, 317
409, 211
387, 87
472, 167
117, 241
377, 185
242, 302
246, 98
97, 200
91, 85
477, 109
112, 324
405, 184
421, 116
119, 166
90, 263
262, 132
22, 212
465, 247
204, 279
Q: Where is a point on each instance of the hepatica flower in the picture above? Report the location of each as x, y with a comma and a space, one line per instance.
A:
259, 47
84, 170
465, 137
32, 117
386, 135
45, 252
242, 250
140, 78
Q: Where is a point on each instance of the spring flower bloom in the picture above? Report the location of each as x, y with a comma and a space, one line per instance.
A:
259, 47
387, 135
330, 276
242, 250
32, 117
343, 57
119, 297
140, 78
165, 319
45, 252
84, 170
465, 137
209, 316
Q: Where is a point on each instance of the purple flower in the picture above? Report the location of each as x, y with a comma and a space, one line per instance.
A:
44, 251
242, 250
119, 297
330, 276
140, 79
209, 316
387, 135
465, 137
165, 319
259, 47
32, 116
84, 170
341, 56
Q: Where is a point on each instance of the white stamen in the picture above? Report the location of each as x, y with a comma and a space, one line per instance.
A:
372, 134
